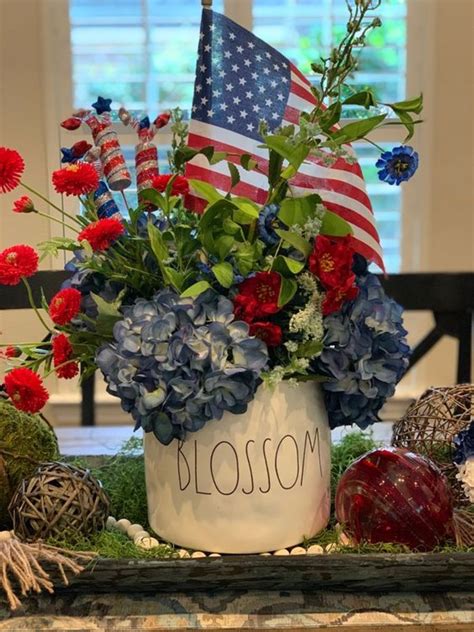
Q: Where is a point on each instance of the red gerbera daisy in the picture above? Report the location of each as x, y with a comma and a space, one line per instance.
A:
17, 262
258, 296
62, 354
23, 205
11, 169
65, 305
180, 184
103, 233
76, 179
26, 390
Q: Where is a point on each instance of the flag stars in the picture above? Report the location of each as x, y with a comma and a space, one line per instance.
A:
212, 27
268, 102
266, 71
223, 106
247, 62
242, 81
220, 41
198, 88
273, 83
276, 67
261, 89
231, 119
201, 35
207, 48
250, 127
274, 115
255, 76
210, 113
256, 108
239, 49
229, 87
249, 94
204, 100
267, 55
203, 68
243, 114
235, 67
227, 54
236, 100
258, 57
216, 93
222, 73
209, 81
280, 97
250, 44
232, 36
284, 79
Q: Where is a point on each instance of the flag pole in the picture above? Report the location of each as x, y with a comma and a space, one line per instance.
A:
206, 4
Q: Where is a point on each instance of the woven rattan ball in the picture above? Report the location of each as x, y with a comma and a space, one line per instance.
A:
431, 423
59, 499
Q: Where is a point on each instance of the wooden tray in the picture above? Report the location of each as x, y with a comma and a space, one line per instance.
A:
348, 572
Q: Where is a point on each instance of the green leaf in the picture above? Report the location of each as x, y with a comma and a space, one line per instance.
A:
296, 241
364, 97
152, 195
287, 291
234, 175
107, 313
224, 273
287, 266
248, 162
334, 226
246, 211
224, 245
174, 277
410, 105
246, 256
157, 242
295, 154
205, 190
218, 156
215, 214
309, 349
357, 129
195, 289
230, 227
298, 210
331, 116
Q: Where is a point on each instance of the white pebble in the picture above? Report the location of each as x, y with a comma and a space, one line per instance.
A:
111, 523
198, 554
331, 548
122, 525
298, 550
140, 534
133, 529
315, 549
183, 553
282, 552
147, 543
214, 555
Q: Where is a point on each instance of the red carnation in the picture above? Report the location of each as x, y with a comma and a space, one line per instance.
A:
258, 296
180, 184
103, 233
23, 205
76, 179
65, 305
17, 262
11, 169
331, 260
270, 333
26, 390
62, 357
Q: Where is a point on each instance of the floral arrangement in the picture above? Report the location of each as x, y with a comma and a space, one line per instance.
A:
187, 313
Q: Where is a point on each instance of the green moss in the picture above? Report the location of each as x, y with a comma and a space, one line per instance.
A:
123, 478
351, 447
25, 441
113, 544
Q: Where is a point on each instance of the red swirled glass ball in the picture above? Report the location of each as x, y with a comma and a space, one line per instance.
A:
394, 495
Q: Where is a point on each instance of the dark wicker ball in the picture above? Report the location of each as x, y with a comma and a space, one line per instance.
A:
430, 425
58, 500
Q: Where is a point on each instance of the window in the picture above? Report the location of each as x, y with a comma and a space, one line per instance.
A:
142, 54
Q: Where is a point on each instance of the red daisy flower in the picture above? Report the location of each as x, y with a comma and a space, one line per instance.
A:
270, 333
335, 297
65, 305
11, 169
103, 233
76, 179
26, 390
23, 205
258, 296
62, 357
17, 262
180, 184
331, 260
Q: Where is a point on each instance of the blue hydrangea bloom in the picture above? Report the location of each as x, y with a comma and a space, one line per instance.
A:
267, 222
177, 363
365, 354
464, 445
397, 165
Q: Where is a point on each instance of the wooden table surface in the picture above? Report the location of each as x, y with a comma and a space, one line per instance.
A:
233, 610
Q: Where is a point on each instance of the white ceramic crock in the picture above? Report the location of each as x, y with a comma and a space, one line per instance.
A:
247, 483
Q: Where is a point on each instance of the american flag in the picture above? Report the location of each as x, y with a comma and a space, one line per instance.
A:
240, 81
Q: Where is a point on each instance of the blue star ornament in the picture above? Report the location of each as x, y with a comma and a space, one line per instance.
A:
67, 155
102, 105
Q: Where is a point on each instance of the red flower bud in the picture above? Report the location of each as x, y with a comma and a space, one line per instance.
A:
71, 123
